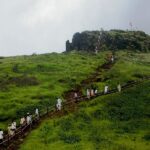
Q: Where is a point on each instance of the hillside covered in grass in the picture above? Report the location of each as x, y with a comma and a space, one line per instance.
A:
113, 122
113, 40
27, 82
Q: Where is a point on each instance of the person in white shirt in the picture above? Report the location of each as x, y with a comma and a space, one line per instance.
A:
1, 136
13, 125
29, 119
10, 130
96, 91
119, 88
112, 58
22, 121
106, 89
59, 104
37, 113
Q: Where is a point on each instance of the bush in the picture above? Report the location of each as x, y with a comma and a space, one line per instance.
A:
147, 136
69, 138
66, 124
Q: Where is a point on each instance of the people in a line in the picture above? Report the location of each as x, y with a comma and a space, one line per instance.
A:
88, 93
119, 88
106, 89
1, 136
22, 121
59, 104
37, 113
29, 119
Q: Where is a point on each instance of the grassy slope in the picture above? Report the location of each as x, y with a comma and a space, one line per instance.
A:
117, 122
55, 73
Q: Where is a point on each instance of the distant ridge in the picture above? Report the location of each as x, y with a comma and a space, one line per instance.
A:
112, 40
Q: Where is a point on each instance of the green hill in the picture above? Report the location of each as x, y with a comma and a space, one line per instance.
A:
113, 40
117, 121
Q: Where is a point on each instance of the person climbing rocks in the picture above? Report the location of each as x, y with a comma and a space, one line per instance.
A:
119, 87
1, 136
106, 89
59, 104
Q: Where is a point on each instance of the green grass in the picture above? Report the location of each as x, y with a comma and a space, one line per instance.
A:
27, 82
114, 122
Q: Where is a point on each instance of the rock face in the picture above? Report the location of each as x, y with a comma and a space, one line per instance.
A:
112, 40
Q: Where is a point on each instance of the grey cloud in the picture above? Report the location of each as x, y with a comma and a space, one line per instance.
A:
28, 26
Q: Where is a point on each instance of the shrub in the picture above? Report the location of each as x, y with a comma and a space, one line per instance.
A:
66, 124
69, 138
147, 136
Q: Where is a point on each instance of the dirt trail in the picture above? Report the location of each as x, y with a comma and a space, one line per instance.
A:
94, 77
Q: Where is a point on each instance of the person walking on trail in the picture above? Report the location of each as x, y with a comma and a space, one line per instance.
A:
119, 88
92, 92
1, 136
29, 119
95, 91
106, 89
88, 93
59, 104
22, 121
11, 132
112, 58
75, 96
13, 125
37, 113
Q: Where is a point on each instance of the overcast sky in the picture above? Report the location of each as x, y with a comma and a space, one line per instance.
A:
41, 26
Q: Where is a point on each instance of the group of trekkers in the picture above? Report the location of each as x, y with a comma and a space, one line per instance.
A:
29, 117
26, 121
93, 92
